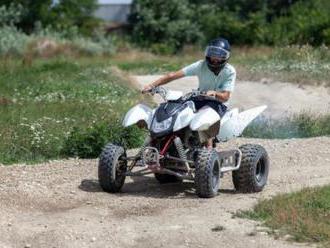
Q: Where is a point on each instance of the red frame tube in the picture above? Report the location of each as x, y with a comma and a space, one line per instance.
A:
167, 144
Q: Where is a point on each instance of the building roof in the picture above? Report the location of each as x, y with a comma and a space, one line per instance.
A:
115, 2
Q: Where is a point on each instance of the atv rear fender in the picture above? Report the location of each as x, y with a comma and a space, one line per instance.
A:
233, 123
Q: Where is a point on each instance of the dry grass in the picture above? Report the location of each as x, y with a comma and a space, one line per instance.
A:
304, 215
302, 65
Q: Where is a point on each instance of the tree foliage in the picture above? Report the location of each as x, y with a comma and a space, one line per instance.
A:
157, 22
59, 14
272, 22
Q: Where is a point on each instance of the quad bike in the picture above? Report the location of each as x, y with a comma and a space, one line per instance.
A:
175, 147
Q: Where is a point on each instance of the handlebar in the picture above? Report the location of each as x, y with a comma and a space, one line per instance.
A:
163, 92
157, 90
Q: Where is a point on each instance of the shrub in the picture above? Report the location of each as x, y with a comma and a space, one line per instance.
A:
297, 126
61, 103
12, 41
305, 22
175, 23
10, 15
164, 22
88, 142
58, 14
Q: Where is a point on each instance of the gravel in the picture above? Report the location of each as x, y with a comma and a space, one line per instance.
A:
60, 203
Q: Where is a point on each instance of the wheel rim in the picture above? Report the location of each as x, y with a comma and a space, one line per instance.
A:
260, 170
215, 175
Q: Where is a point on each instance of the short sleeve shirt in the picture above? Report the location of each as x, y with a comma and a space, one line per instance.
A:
224, 81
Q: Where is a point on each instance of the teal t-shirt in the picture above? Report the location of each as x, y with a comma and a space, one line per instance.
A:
224, 81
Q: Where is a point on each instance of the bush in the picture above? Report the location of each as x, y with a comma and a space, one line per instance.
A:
10, 15
169, 24
297, 126
88, 143
47, 41
12, 41
175, 23
58, 14
62, 103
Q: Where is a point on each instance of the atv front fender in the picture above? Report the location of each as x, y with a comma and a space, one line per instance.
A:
136, 114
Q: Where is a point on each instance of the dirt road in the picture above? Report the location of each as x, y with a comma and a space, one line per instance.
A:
60, 204
281, 98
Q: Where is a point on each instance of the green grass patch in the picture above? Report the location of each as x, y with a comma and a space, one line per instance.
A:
304, 215
55, 107
296, 126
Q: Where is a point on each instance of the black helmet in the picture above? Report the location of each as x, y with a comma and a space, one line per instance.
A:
217, 54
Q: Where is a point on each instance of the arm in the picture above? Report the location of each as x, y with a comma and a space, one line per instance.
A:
164, 80
223, 91
222, 96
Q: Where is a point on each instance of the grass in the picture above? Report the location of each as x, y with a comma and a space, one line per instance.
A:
304, 215
302, 65
50, 108
41, 105
296, 126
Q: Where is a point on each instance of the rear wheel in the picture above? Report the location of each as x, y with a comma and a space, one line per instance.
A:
253, 173
112, 168
207, 173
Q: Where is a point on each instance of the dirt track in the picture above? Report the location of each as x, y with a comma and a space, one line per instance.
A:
281, 98
60, 204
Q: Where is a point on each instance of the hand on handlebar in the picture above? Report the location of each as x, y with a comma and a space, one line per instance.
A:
211, 93
148, 88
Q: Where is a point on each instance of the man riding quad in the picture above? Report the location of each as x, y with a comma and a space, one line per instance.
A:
183, 129
215, 75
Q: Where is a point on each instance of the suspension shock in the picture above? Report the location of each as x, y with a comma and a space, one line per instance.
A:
182, 153
145, 144
139, 155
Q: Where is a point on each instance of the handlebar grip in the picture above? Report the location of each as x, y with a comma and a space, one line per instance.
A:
147, 91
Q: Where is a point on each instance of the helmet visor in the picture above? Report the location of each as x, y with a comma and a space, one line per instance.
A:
217, 52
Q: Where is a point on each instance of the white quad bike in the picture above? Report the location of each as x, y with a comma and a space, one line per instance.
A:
175, 147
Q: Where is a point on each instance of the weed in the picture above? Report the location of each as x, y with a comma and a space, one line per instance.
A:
296, 126
45, 107
304, 215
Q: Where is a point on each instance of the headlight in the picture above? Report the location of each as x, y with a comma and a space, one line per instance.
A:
161, 126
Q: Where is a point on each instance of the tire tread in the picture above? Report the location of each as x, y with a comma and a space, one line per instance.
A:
244, 177
108, 159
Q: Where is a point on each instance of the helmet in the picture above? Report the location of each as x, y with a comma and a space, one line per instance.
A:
217, 54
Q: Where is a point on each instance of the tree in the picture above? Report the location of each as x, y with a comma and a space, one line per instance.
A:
160, 22
34, 10
68, 13
62, 13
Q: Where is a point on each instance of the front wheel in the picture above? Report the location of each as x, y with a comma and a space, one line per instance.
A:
112, 168
253, 172
207, 173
